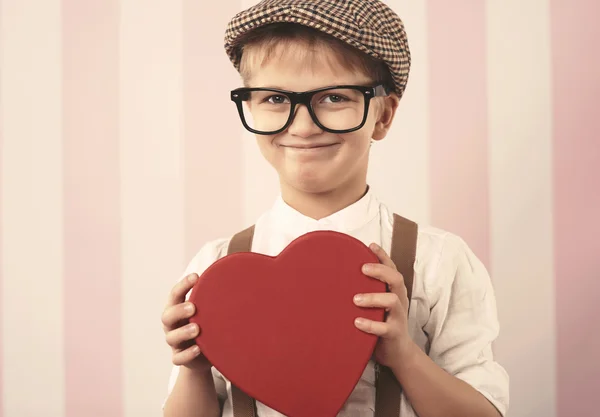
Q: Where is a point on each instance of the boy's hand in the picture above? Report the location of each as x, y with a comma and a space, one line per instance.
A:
179, 333
395, 342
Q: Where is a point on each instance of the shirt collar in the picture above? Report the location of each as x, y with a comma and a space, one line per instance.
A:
290, 221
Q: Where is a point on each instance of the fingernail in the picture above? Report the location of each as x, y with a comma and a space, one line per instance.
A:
195, 349
191, 328
366, 268
193, 278
359, 322
358, 298
189, 308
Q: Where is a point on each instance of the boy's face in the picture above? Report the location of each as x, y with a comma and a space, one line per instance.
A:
307, 158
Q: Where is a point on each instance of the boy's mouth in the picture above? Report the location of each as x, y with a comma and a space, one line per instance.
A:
311, 146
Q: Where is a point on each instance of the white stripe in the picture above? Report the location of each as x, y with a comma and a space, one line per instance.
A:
152, 194
32, 215
521, 199
399, 166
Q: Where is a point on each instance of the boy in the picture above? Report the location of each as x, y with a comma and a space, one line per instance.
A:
319, 143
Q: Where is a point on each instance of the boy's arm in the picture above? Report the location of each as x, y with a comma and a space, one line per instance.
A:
193, 395
433, 392
460, 376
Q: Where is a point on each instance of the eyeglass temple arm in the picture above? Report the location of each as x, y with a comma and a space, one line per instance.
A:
381, 91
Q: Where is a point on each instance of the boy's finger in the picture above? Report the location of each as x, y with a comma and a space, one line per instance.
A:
180, 289
377, 328
382, 255
387, 300
175, 314
175, 338
186, 356
384, 273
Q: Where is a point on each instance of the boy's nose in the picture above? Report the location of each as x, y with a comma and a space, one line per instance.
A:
303, 125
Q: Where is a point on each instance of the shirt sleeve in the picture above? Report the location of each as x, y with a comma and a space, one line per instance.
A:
463, 322
207, 255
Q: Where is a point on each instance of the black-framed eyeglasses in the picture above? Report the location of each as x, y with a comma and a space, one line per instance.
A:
336, 109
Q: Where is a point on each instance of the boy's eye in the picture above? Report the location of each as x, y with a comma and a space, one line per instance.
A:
277, 99
334, 98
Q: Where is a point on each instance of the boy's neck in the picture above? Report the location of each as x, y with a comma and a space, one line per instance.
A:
321, 205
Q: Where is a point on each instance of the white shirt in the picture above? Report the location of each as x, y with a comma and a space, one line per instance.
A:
453, 316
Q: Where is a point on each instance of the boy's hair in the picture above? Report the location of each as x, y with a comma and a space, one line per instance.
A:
264, 42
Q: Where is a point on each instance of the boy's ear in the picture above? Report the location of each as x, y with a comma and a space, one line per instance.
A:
385, 116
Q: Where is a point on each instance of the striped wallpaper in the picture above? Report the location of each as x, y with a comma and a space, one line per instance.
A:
121, 154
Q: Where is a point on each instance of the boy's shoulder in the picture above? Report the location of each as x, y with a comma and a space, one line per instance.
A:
444, 260
439, 245
206, 256
434, 244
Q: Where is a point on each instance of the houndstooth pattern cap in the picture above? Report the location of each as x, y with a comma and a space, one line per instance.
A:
368, 25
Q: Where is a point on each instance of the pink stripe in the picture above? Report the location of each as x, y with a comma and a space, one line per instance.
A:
213, 151
576, 87
1, 276
458, 121
92, 217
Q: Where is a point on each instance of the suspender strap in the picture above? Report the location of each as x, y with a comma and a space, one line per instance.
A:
241, 242
243, 405
388, 390
404, 248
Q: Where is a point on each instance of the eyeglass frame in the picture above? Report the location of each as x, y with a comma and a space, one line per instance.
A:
369, 92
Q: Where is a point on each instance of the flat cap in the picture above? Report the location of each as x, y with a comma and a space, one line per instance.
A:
370, 26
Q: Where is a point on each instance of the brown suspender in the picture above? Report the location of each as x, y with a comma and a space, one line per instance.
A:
403, 253
242, 404
388, 390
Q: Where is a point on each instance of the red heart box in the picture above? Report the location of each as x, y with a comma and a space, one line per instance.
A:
282, 328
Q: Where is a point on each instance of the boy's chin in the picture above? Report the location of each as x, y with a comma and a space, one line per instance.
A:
312, 185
